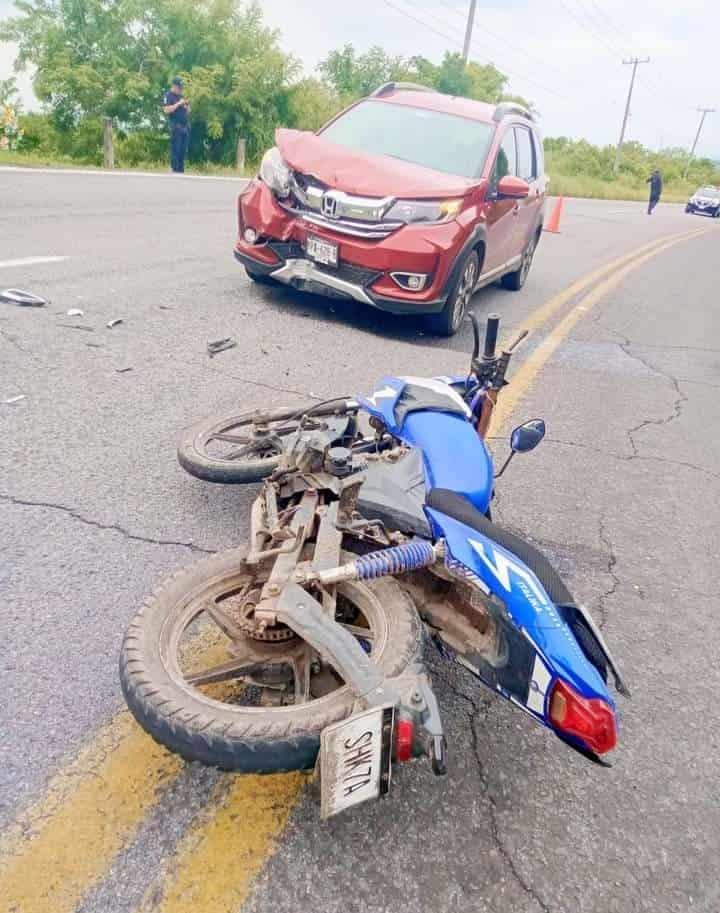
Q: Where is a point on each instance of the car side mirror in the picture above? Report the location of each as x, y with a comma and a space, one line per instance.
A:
512, 188
524, 438
527, 436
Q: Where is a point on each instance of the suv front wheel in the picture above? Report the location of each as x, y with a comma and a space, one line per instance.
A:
448, 321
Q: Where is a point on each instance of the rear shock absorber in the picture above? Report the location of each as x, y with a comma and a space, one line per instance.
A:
400, 559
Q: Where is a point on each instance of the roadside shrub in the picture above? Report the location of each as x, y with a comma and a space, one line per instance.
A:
132, 149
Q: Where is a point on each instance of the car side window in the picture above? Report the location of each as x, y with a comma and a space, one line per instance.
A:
526, 160
506, 161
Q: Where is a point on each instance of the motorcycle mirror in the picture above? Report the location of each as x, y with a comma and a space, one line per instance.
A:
524, 438
527, 436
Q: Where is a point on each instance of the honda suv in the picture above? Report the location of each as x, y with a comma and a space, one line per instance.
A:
408, 201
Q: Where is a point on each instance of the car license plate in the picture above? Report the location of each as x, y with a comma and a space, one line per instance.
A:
355, 758
322, 251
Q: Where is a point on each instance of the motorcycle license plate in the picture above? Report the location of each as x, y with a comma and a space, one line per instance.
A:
355, 759
321, 251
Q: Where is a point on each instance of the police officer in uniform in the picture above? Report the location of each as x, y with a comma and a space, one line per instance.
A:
176, 107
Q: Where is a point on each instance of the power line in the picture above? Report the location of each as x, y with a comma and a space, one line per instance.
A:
512, 48
703, 114
453, 39
634, 61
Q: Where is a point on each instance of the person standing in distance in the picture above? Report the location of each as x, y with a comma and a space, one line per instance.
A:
176, 107
655, 182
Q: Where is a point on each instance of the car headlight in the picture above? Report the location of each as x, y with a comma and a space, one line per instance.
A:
423, 211
275, 173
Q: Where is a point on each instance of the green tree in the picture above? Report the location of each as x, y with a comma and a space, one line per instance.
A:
97, 58
311, 103
9, 94
354, 75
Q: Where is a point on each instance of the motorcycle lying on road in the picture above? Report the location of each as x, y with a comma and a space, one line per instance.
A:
372, 528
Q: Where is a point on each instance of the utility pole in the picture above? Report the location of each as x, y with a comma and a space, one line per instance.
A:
469, 30
703, 113
634, 61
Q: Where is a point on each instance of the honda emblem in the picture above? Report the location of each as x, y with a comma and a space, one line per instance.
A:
330, 204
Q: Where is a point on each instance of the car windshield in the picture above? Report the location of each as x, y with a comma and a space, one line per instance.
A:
708, 192
443, 142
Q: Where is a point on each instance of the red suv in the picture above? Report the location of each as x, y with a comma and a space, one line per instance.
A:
408, 201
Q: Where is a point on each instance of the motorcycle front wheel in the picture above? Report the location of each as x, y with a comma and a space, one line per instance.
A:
239, 449
211, 685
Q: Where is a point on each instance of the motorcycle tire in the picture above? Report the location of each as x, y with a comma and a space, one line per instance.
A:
231, 736
194, 458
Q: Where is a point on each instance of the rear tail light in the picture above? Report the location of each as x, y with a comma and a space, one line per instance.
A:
591, 720
404, 738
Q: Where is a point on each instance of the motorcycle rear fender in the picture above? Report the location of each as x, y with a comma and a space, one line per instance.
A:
552, 650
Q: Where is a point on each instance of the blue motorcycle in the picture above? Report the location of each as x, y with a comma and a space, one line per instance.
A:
371, 535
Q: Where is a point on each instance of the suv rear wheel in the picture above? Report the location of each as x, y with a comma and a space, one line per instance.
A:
448, 321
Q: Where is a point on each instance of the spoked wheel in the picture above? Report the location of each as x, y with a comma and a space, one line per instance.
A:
448, 321
247, 446
210, 683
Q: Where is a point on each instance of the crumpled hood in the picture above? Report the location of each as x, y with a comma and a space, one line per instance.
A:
364, 174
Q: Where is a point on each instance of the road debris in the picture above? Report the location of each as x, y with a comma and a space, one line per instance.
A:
220, 345
113, 323
22, 298
77, 326
75, 312
123, 370
14, 399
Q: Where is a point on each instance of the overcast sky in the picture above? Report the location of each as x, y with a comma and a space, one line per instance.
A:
565, 55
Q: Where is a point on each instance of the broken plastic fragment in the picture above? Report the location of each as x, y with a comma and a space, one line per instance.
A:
123, 370
75, 312
22, 298
14, 399
219, 345
113, 323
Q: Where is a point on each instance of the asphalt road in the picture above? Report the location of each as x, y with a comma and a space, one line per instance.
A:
94, 510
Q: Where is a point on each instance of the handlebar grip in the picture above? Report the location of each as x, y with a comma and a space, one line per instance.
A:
491, 335
476, 337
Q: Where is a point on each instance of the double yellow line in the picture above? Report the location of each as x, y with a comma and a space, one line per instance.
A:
64, 845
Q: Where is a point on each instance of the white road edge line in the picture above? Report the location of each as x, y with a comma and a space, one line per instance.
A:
30, 261
124, 174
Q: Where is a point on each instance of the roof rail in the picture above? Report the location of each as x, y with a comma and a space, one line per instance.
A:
511, 107
399, 86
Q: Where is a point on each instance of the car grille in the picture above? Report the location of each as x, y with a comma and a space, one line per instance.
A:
358, 275
308, 204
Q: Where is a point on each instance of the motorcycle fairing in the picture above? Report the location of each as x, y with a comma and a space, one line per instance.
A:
430, 415
557, 653
431, 394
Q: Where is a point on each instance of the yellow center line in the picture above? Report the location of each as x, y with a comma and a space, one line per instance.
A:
227, 847
91, 810
65, 843
525, 376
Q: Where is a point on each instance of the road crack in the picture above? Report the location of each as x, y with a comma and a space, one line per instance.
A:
474, 716
611, 565
113, 527
628, 458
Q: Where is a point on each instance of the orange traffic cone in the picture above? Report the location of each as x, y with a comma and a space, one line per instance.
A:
554, 221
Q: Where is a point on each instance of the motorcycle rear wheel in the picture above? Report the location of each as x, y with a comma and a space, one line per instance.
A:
219, 721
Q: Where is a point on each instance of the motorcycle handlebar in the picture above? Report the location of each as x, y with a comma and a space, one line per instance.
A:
491, 335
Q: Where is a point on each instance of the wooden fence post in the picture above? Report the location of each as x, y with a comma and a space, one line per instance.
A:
241, 154
108, 151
